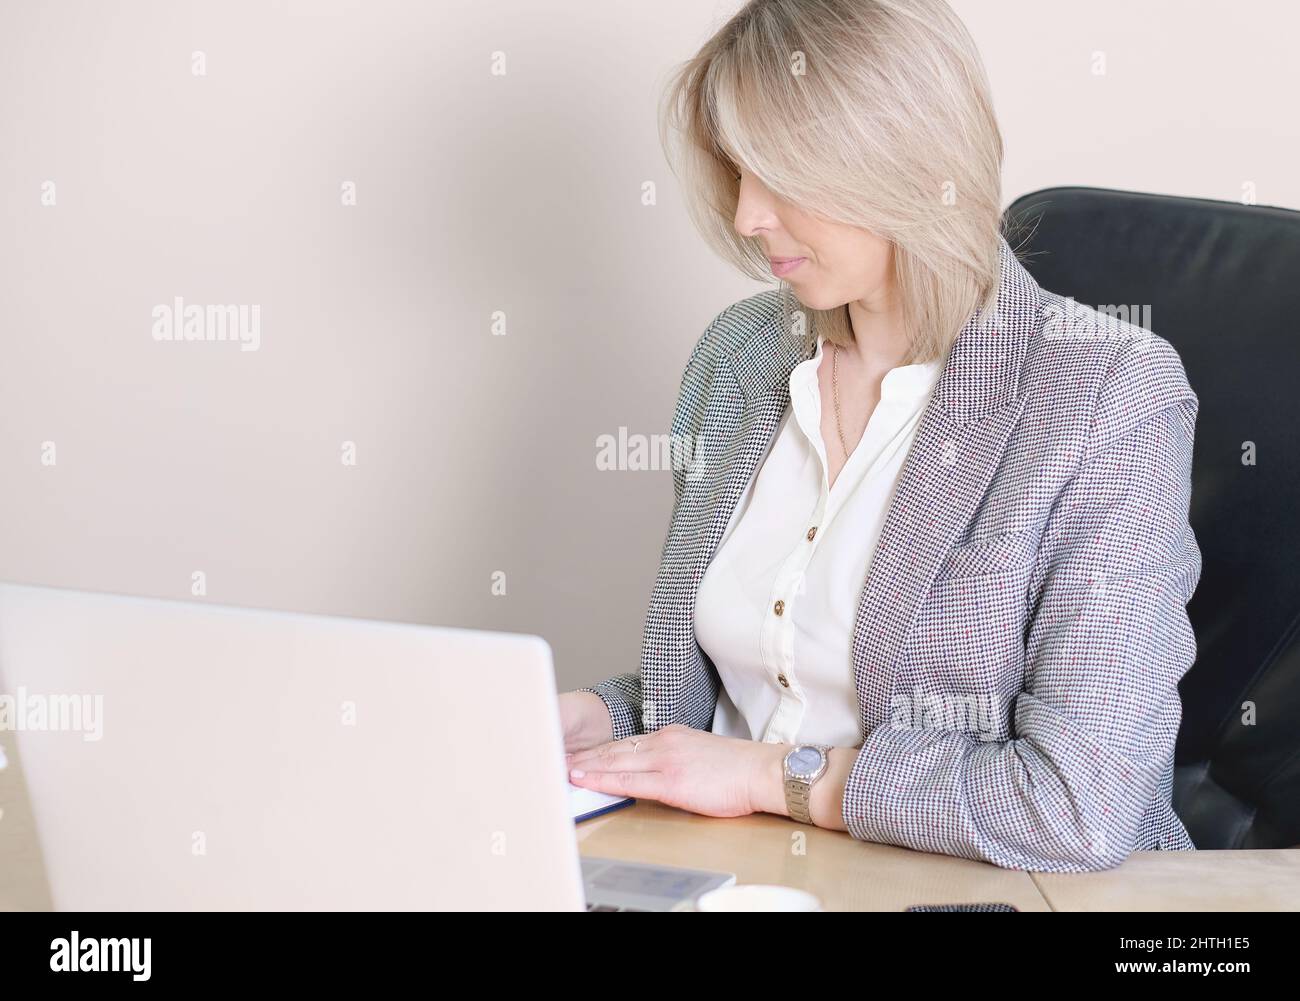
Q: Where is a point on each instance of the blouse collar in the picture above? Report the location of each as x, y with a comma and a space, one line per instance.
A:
901, 384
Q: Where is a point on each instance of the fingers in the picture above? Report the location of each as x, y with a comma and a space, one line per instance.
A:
638, 785
617, 769
630, 754
613, 759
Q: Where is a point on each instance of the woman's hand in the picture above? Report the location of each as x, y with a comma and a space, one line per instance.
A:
687, 768
585, 720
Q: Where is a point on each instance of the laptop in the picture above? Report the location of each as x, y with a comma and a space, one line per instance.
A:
188, 756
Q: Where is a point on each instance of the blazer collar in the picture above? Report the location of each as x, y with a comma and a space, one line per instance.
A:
981, 373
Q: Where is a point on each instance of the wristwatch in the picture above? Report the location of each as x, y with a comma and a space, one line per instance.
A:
804, 765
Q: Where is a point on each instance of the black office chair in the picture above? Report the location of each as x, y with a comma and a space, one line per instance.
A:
1223, 283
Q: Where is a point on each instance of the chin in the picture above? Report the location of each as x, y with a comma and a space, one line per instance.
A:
811, 299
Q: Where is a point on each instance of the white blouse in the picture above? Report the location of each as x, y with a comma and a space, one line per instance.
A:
776, 607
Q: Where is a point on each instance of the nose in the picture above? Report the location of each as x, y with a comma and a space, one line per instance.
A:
755, 208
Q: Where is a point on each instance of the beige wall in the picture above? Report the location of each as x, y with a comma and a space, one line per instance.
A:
474, 193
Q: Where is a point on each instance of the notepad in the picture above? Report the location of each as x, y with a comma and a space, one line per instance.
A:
587, 803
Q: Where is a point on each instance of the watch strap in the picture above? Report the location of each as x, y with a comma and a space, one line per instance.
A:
798, 791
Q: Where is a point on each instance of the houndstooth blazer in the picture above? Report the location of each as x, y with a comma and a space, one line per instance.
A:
1022, 629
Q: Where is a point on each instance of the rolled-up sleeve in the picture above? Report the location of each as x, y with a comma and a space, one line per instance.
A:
1107, 641
622, 697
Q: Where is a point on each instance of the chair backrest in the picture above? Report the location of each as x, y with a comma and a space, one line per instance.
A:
1221, 282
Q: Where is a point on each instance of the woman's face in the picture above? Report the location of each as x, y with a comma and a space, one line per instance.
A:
826, 263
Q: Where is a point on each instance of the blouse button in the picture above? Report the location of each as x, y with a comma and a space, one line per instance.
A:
779, 607
811, 532
784, 681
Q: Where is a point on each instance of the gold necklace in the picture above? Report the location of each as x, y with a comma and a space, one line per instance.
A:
835, 396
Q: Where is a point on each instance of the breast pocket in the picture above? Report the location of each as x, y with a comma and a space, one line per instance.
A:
968, 636
998, 554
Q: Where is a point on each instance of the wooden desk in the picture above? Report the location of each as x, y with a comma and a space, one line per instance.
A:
1183, 881
847, 875
855, 875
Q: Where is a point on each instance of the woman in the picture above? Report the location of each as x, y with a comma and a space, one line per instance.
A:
925, 580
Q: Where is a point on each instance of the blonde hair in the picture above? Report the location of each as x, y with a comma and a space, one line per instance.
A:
875, 113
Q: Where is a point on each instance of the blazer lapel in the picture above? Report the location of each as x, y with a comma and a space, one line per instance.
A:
756, 381
942, 483
749, 393
963, 432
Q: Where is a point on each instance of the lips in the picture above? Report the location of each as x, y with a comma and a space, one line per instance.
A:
782, 266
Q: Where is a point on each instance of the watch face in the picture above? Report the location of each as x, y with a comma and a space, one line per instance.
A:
805, 760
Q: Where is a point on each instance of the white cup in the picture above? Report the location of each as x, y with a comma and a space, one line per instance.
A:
757, 897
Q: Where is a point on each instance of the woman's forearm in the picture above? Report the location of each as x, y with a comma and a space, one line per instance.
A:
826, 806
585, 719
